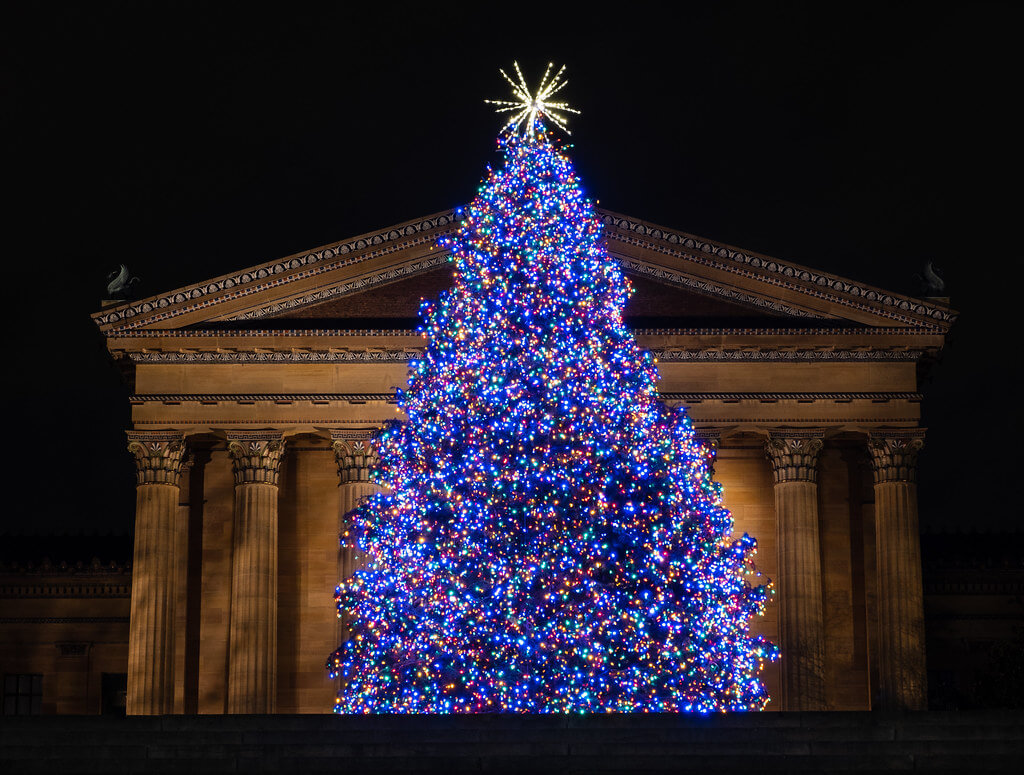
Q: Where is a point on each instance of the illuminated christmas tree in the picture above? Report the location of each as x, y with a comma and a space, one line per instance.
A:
550, 538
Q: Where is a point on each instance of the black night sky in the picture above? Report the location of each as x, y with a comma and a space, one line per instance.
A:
189, 140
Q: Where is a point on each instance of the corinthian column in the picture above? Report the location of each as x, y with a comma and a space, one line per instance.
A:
901, 660
151, 639
794, 459
252, 632
356, 458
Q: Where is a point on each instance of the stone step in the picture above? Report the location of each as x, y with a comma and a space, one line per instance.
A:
696, 764
782, 742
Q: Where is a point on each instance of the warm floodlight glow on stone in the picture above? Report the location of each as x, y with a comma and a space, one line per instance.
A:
529, 107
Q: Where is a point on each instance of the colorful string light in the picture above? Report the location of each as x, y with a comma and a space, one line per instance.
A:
550, 539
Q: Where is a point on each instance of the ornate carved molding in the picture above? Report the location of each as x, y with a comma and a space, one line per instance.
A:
714, 290
405, 354
392, 240
773, 270
894, 454
627, 231
255, 456
271, 333
263, 422
356, 459
790, 396
831, 332
679, 355
64, 620
794, 454
250, 397
157, 455
337, 356
363, 283
64, 579
355, 434
754, 421
287, 398
26, 588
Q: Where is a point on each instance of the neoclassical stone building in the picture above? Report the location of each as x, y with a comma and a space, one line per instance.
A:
255, 397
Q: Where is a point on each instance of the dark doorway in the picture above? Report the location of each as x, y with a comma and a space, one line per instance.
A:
115, 694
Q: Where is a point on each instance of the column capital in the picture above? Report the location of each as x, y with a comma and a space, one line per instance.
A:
894, 454
255, 456
158, 456
711, 438
356, 459
794, 454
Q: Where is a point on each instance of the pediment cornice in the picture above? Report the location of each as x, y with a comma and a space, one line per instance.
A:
799, 281
378, 258
260, 279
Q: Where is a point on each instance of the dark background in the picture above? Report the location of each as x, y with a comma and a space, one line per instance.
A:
189, 140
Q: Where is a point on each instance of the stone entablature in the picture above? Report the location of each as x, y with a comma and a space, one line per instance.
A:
65, 580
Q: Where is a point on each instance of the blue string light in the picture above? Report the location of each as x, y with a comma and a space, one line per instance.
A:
550, 539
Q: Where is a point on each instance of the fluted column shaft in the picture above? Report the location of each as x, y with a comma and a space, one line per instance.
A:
252, 631
901, 658
356, 461
794, 461
151, 629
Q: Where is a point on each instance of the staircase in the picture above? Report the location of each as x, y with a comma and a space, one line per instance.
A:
968, 742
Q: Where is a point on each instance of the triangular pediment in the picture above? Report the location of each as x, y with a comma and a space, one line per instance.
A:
654, 304
680, 281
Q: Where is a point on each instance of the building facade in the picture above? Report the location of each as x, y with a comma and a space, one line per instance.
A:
255, 397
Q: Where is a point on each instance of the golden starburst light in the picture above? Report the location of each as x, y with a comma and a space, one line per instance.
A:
528, 108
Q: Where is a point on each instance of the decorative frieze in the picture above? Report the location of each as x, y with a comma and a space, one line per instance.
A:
280, 333
405, 354
158, 456
894, 454
362, 397
63, 579
256, 456
773, 397
279, 398
678, 355
794, 455
64, 620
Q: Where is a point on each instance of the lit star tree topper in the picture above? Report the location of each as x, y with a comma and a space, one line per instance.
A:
528, 107
549, 537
